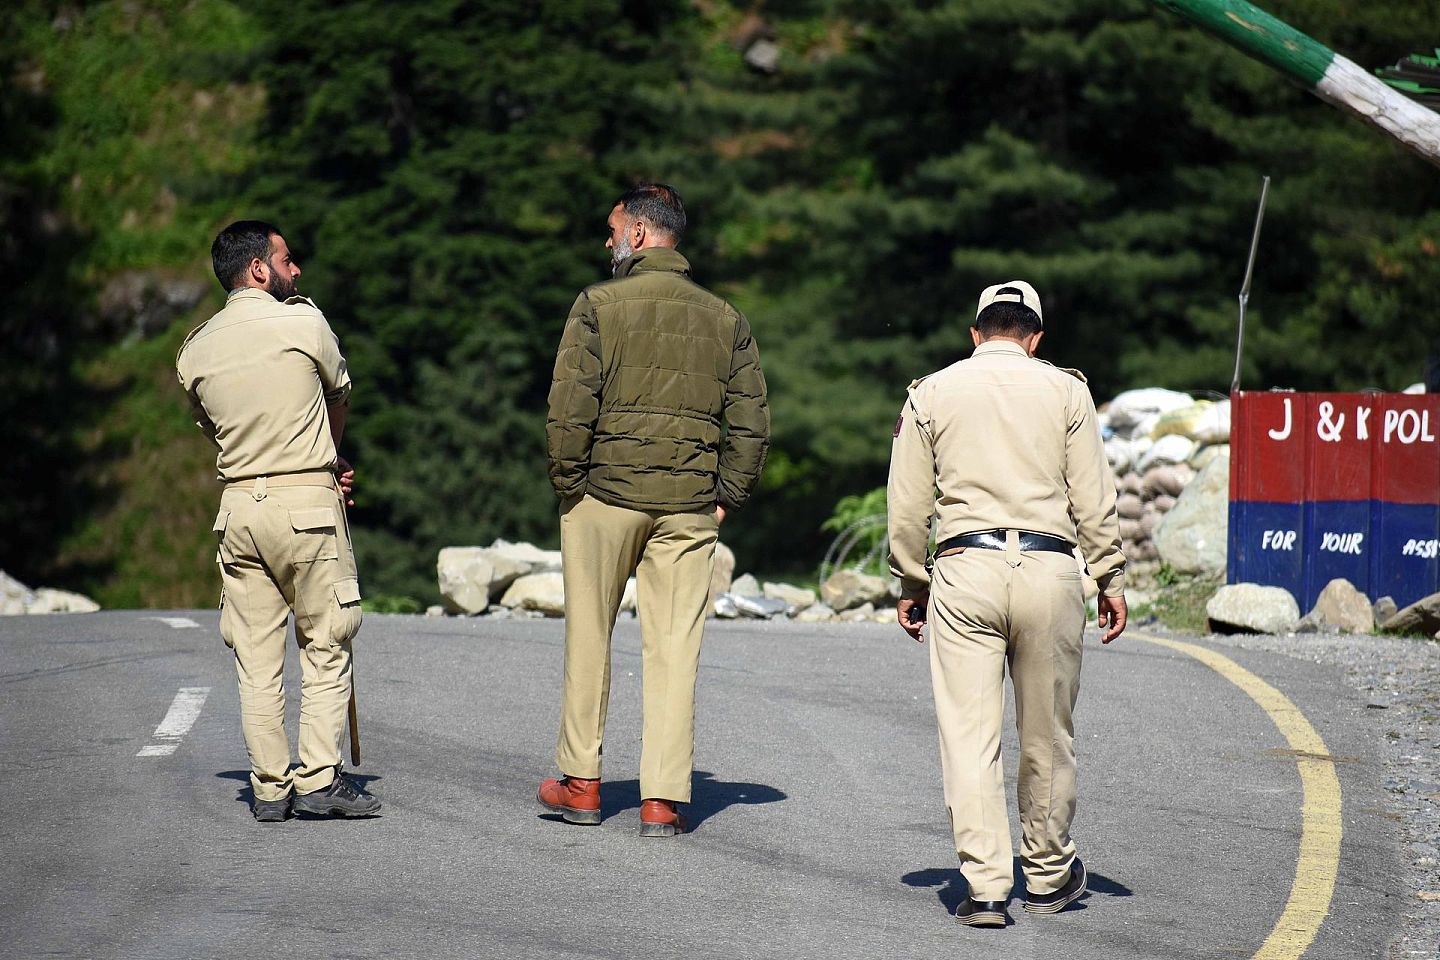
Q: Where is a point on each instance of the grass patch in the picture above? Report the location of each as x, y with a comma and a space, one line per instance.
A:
1181, 603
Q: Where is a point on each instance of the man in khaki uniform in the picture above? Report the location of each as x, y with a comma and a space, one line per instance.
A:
1006, 449
650, 365
269, 387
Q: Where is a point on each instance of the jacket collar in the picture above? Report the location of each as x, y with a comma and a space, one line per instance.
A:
653, 259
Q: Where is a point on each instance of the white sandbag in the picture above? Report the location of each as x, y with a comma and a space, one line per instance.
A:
1171, 449
1119, 453
1133, 407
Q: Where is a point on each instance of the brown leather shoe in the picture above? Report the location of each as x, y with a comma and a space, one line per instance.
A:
660, 818
576, 800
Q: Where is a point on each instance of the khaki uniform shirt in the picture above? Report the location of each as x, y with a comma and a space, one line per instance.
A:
1009, 442
260, 375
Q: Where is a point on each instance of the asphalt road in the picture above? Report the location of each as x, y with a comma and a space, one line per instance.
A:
819, 824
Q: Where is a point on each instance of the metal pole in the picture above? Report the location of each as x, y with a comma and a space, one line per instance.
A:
1245, 287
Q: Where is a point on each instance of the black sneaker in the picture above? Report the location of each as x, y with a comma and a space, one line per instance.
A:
981, 913
1073, 890
343, 798
271, 811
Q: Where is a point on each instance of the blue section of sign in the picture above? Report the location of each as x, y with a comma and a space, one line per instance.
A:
1384, 549
1407, 539
1266, 544
1337, 545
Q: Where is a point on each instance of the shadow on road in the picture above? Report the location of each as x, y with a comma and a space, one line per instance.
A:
246, 795
953, 889
708, 797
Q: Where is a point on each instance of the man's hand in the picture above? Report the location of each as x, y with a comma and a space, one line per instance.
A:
345, 474
1112, 615
911, 614
719, 514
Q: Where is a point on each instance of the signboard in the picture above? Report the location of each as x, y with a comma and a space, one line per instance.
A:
1326, 485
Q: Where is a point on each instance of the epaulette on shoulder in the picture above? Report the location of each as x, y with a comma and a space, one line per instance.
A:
916, 382
1070, 370
298, 300
188, 337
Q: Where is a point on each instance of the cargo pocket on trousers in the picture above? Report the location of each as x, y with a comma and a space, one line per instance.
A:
313, 535
346, 622
222, 552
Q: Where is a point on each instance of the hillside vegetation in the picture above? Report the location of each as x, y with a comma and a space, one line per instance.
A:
855, 173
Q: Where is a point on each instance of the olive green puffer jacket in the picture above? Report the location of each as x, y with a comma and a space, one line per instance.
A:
649, 367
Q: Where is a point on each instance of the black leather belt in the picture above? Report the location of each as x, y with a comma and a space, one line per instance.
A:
995, 540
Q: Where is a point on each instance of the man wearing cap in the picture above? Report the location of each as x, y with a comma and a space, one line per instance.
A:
658, 426
1005, 449
270, 389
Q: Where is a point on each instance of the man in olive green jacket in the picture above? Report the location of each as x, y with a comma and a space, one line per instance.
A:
658, 425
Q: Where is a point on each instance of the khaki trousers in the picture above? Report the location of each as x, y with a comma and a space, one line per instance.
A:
670, 555
285, 549
989, 608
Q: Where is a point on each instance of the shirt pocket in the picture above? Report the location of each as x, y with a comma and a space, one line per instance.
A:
313, 535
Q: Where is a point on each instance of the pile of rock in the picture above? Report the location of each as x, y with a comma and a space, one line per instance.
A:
1340, 608
499, 580
847, 596
1157, 441
16, 598
521, 580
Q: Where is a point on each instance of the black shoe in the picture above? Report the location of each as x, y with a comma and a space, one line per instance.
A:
981, 913
271, 811
343, 798
1073, 890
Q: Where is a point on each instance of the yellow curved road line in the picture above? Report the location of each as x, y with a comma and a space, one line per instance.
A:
1321, 826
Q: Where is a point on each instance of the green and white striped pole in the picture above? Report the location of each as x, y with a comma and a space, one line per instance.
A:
1319, 69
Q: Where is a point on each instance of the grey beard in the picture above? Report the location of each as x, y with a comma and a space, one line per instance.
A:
621, 252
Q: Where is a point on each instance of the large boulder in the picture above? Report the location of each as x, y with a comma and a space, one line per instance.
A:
1341, 605
760, 608
815, 613
848, 589
797, 597
1191, 538
50, 600
471, 578
1422, 616
745, 585
543, 592
16, 599
1252, 608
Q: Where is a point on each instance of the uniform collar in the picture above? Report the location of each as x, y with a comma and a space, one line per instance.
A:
1000, 346
653, 259
247, 293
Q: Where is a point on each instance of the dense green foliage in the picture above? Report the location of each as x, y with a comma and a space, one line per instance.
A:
444, 168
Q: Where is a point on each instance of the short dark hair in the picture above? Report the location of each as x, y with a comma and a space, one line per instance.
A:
659, 204
1005, 318
236, 246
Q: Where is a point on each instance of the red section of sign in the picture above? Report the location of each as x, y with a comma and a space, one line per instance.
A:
1267, 450
1294, 447
1407, 425
1339, 443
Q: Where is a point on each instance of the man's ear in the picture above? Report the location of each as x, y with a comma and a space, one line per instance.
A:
259, 272
639, 230
975, 336
1032, 343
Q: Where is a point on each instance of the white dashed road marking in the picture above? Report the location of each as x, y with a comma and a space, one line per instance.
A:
183, 712
176, 623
